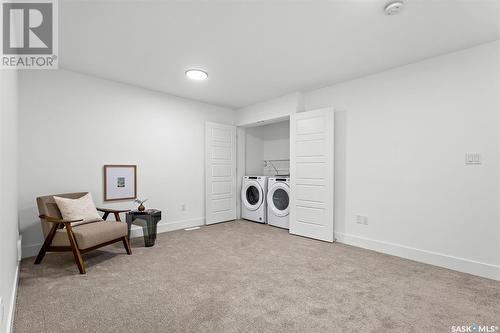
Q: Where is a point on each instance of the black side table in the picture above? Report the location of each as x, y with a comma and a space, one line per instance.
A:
149, 219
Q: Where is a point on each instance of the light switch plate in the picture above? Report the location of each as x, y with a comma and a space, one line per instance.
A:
473, 158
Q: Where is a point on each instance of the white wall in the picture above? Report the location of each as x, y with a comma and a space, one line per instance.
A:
254, 151
405, 133
71, 125
281, 107
268, 142
8, 196
277, 141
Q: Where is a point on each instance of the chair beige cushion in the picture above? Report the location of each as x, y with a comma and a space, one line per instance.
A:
80, 208
91, 234
47, 206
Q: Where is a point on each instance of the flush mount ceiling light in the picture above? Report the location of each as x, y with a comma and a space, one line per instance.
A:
196, 74
394, 8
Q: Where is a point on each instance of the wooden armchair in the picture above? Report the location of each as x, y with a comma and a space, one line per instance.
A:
61, 236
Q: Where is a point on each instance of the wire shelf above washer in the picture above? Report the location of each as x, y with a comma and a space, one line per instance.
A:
282, 160
277, 167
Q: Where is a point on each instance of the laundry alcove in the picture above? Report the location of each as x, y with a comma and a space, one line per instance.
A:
301, 145
267, 149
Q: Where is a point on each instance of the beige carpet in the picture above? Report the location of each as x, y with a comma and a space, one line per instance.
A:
246, 277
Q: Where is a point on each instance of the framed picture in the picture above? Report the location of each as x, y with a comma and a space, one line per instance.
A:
120, 182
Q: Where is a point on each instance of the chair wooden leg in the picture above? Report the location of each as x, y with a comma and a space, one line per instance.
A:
74, 248
46, 244
126, 244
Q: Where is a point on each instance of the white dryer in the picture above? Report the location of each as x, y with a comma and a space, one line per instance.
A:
253, 198
278, 199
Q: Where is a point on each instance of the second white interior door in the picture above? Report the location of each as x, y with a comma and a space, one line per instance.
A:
312, 174
220, 173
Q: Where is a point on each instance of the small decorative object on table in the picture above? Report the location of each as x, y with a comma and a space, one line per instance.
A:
141, 207
148, 219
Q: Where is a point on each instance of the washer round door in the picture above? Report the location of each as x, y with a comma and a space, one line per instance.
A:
278, 198
252, 195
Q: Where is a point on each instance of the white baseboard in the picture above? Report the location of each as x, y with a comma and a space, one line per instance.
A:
12, 305
438, 259
135, 231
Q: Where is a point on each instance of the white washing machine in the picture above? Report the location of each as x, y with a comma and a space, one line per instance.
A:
253, 198
278, 199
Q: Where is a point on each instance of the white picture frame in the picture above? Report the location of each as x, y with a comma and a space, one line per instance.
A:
120, 182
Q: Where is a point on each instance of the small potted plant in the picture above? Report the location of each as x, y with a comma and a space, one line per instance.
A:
141, 207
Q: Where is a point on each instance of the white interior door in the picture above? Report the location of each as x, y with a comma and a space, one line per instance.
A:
220, 173
312, 174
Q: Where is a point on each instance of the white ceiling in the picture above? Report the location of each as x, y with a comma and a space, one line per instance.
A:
257, 50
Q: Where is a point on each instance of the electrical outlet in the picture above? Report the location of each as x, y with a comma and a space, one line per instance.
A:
19, 248
360, 219
183, 207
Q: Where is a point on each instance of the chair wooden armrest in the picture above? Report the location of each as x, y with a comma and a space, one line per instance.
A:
116, 212
110, 210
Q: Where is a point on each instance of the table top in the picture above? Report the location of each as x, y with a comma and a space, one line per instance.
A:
145, 212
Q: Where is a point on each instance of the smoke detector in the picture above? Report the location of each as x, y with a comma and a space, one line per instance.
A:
394, 8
